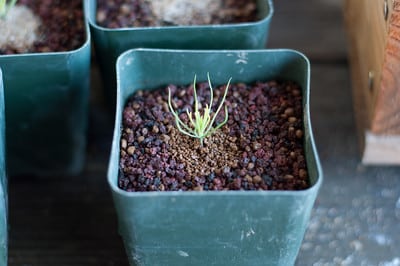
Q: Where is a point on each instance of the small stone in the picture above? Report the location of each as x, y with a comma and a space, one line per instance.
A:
299, 133
303, 174
125, 9
296, 92
155, 129
292, 119
101, 16
288, 177
289, 111
165, 138
198, 188
140, 139
131, 150
256, 146
257, 179
249, 178
124, 143
145, 131
250, 166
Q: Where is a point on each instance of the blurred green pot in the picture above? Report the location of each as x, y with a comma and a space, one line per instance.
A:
212, 227
110, 43
3, 181
46, 96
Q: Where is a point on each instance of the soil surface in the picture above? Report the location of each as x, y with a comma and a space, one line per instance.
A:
144, 13
259, 148
62, 26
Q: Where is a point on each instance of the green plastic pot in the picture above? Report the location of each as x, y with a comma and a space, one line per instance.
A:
47, 97
110, 43
212, 227
3, 181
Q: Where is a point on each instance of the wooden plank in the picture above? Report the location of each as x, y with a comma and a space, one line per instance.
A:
374, 33
386, 119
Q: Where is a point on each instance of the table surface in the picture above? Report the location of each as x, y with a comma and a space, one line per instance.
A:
356, 218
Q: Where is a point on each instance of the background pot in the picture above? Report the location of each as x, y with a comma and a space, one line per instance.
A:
3, 181
212, 228
46, 98
110, 43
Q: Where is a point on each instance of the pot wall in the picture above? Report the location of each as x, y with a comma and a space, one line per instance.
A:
3, 181
212, 228
110, 43
46, 96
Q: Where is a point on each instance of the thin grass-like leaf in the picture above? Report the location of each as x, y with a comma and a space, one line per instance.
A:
201, 124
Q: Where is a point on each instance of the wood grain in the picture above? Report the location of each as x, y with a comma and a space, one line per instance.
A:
373, 29
386, 118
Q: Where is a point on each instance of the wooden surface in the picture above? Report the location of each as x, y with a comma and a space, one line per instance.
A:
373, 29
71, 221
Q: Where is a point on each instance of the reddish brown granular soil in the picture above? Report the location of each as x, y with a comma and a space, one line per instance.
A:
138, 13
63, 26
260, 147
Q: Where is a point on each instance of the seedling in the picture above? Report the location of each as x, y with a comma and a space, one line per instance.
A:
200, 125
5, 6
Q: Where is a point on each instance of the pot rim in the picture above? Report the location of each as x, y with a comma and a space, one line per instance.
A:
174, 27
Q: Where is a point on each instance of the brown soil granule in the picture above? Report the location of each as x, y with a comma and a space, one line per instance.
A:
260, 147
62, 26
145, 13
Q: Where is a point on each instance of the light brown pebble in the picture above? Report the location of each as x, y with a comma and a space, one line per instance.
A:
131, 150
124, 143
289, 111
249, 178
257, 179
256, 146
299, 133
165, 138
292, 119
288, 177
302, 173
140, 139
101, 16
155, 129
250, 166
198, 188
125, 9
296, 92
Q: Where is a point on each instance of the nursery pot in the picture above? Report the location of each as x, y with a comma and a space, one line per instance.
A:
212, 227
46, 98
3, 181
110, 43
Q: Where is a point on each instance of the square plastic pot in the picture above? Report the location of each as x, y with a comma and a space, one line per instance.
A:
110, 43
212, 227
46, 97
3, 181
